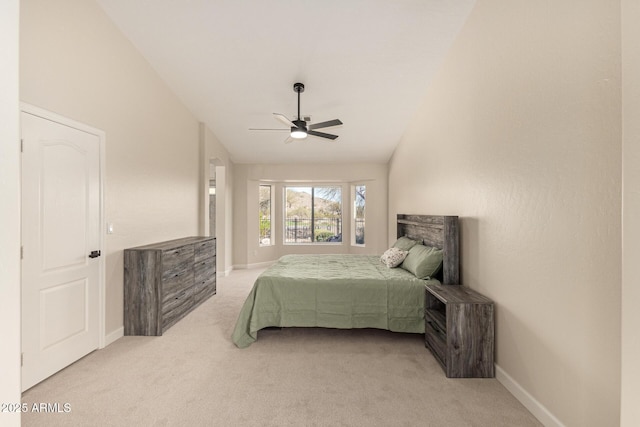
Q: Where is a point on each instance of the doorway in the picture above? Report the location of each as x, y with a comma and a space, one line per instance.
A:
212, 204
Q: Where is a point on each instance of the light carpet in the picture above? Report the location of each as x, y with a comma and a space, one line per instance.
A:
195, 376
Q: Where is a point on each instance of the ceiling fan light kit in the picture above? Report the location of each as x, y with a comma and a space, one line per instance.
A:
298, 133
299, 128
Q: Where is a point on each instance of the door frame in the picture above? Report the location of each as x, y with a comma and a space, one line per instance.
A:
48, 115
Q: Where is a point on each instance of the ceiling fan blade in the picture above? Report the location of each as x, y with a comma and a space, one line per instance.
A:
289, 140
284, 120
286, 130
322, 134
330, 123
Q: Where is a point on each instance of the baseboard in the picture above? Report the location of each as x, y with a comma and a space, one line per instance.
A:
113, 336
225, 273
536, 408
256, 265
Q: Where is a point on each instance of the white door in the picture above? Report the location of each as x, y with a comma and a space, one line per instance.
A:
60, 229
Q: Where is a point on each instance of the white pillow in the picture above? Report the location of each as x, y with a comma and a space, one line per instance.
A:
393, 257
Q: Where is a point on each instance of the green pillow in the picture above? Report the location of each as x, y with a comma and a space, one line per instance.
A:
423, 261
405, 243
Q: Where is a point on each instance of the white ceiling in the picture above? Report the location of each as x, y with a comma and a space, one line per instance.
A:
233, 63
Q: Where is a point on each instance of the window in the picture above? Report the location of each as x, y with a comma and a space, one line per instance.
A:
265, 215
358, 195
313, 214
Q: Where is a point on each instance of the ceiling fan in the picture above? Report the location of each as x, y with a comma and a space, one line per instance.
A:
299, 128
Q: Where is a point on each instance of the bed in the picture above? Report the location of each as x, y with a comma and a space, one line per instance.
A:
349, 291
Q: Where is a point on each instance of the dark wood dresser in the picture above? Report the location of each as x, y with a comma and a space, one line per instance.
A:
164, 281
459, 330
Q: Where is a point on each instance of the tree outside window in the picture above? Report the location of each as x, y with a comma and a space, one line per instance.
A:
359, 196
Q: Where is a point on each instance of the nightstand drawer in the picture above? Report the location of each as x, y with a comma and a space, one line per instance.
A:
435, 341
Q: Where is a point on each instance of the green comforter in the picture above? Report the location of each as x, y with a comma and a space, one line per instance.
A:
332, 291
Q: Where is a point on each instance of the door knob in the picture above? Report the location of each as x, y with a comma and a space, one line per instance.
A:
94, 254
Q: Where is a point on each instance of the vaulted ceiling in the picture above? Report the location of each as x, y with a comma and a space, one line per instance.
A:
234, 62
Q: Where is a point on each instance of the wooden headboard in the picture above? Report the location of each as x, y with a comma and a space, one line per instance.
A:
437, 231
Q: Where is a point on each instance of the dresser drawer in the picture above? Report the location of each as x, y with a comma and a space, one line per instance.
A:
204, 270
205, 280
204, 250
177, 283
203, 290
175, 308
174, 261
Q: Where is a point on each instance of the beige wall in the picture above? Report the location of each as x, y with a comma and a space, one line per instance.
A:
75, 62
9, 212
247, 178
519, 135
630, 409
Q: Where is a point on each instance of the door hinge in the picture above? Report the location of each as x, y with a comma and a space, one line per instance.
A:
21, 359
21, 252
21, 145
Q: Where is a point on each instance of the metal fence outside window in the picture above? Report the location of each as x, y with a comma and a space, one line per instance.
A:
304, 230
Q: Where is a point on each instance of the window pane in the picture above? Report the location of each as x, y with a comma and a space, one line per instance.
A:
313, 214
297, 222
327, 210
265, 215
358, 209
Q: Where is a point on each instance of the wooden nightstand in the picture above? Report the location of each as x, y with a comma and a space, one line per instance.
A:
459, 330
